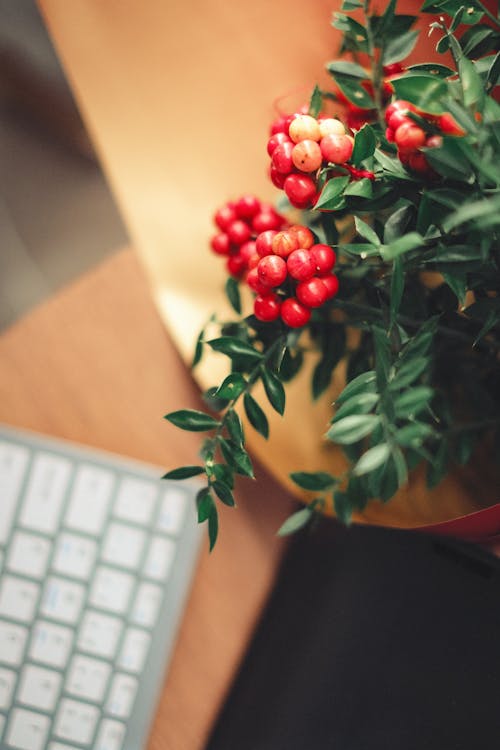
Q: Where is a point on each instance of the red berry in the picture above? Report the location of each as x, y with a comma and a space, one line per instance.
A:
235, 264
277, 178
305, 237
307, 156
294, 314
399, 104
448, 125
312, 293
238, 232
266, 220
300, 190
267, 307
248, 250
272, 270
264, 242
284, 243
247, 206
393, 69
252, 279
331, 283
389, 134
282, 157
399, 118
224, 217
220, 244
419, 163
336, 149
409, 137
275, 140
278, 126
300, 265
323, 258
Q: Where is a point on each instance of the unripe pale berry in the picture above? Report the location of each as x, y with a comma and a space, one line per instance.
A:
247, 206
220, 244
331, 126
294, 314
304, 127
284, 243
264, 242
336, 149
300, 190
267, 307
305, 237
238, 232
312, 293
323, 258
272, 270
282, 157
307, 156
300, 265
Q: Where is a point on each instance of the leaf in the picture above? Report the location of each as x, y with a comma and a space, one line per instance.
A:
365, 230
213, 528
409, 372
414, 434
383, 357
224, 493
342, 506
457, 282
364, 144
233, 294
399, 47
391, 166
204, 504
351, 4
472, 86
198, 350
233, 348
472, 210
274, 389
296, 521
359, 188
315, 102
350, 69
427, 92
192, 420
184, 472
397, 288
448, 160
354, 92
330, 194
234, 427
413, 401
352, 428
440, 71
397, 223
410, 241
318, 480
360, 403
363, 382
255, 415
237, 457
372, 459
231, 387
223, 473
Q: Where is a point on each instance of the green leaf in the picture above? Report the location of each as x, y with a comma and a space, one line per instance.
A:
223, 473
391, 166
360, 403
397, 288
359, 188
351, 4
354, 92
472, 86
399, 47
192, 420
364, 382
342, 506
427, 92
410, 241
315, 102
352, 428
472, 210
409, 372
237, 457
213, 528
440, 71
184, 472
448, 160
234, 427
204, 504
224, 493
255, 415
351, 69
315, 481
414, 434
365, 231
296, 521
274, 389
413, 401
231, 387
331, 193
457, 281
364, 144
383, 357
233, 294
372, 459
198, 350
397, 222
233, 348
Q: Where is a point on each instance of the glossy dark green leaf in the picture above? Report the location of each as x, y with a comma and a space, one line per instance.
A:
412, 402
315, 102
433, 69
296, 521
427, 92
397, 223
449, 161
234, 427
223, 492
184, 472
366, 231
365, 382
364, 144
360, 188
192, 420
399, 47
391, 166
353, 91
352, 428
233, 294
213, 528
350, 69
256, 415
198, 350
223, 473
351, 4
204, 504
410, 241
274, 389
233, 347
315, 481
237, 457
397, 288
472, 86
331, 193
231, 386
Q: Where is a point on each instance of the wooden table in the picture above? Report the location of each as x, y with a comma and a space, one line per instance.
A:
95, 365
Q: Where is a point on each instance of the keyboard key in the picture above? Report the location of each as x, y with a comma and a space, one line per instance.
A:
28, 555
135, 500
89, 502
134, 650
161, 553
123, 546
146, 605
7, 684
27, 730
99, 634
75, 721
48, 480
13, 462
18, 598
172, 511
50, 644
39, 687
60, 746
111, 590
74, 556
121, 696
87, 678
62, 600
110, 735
12, 643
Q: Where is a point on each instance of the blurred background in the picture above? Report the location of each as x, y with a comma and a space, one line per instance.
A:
57, 215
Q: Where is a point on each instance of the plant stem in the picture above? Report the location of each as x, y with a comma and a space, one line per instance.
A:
377, 70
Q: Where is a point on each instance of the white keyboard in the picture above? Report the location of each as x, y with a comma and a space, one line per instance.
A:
96, 558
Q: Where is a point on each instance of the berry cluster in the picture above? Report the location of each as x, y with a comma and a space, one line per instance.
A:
239, 223
410, 138
292, 276
299, 146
